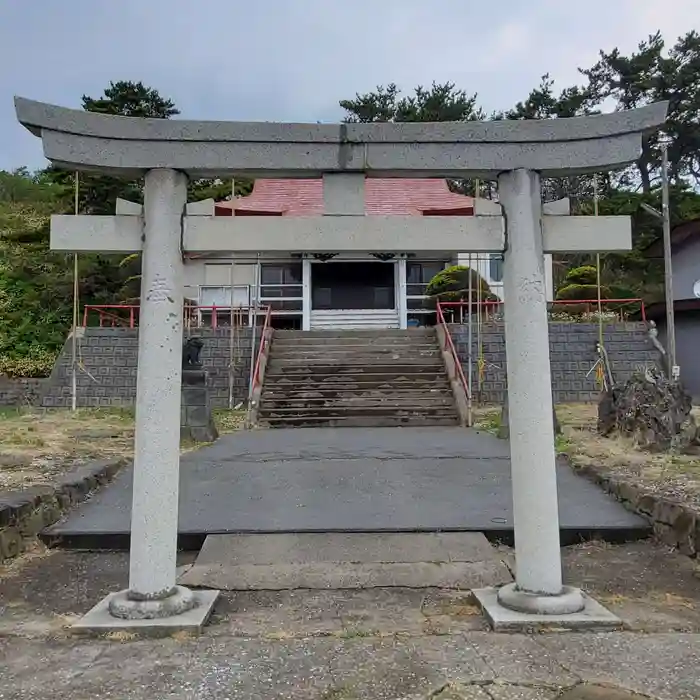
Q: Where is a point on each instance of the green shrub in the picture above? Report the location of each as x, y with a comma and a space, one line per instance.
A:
580, 283
584, 275
582, 291
452, 284
38, 362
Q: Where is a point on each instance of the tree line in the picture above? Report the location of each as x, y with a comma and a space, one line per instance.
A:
36, 284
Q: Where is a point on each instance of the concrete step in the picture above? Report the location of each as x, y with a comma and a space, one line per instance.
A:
343, 382
461, 560
355, 359
306, 391
351, 341
357, 333
407, 402
366, 421
361, 410
350, 350
302, 391
353, 350
306, 377
428, 364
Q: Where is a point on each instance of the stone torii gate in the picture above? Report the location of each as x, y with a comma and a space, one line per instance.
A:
167, 152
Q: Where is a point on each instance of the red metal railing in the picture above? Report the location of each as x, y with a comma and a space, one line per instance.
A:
450, 347
127, 315
262, 350
216, 314
591, 305
111, 315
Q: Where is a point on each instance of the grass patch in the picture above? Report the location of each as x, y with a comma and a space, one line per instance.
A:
674, 475
37, 446
487, 418
229, 420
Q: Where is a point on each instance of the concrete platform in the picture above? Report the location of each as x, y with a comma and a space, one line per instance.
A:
593, 616
348, 480
98, 620
337, 561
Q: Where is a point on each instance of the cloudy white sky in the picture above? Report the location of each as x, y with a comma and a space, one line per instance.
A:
292, 60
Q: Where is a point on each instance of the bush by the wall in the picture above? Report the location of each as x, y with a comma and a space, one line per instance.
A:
580, 283
452, 284
38, 362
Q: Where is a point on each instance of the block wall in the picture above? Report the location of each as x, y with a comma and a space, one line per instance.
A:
109, 356
572, 351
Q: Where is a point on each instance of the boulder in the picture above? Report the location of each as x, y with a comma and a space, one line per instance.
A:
651, 409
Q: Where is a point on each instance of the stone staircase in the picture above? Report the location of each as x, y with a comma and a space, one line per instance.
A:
356, 378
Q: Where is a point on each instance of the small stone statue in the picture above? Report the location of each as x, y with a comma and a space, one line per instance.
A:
190, 353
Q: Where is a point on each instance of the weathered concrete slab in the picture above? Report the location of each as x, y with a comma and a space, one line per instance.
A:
347, 560
458, 667
347, 575
356, 480
363, 548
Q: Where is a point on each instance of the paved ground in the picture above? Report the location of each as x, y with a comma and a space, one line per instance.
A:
391, 479
354, 645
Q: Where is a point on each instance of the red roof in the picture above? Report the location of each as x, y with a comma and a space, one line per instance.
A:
388, 197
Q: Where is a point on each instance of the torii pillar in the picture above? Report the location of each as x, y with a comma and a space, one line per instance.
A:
154, 509
515, 153
538, 588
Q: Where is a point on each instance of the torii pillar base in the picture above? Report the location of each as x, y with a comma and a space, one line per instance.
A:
590, 615
184, 611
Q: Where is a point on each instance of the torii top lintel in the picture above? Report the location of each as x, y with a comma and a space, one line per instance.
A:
79, 140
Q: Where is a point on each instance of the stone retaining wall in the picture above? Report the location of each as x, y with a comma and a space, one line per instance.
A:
23, 514
676, 524
110, 357
572, 353
21, 391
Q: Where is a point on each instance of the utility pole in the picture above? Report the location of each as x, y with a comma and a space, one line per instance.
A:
668, 267
665, 217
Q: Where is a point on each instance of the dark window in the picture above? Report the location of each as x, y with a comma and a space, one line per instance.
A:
496, 267
284, 304
280, 273
289, 291
415, 290
423, 272
419, 274
352, 285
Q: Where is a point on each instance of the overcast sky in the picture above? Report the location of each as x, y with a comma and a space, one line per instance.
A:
292, 60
